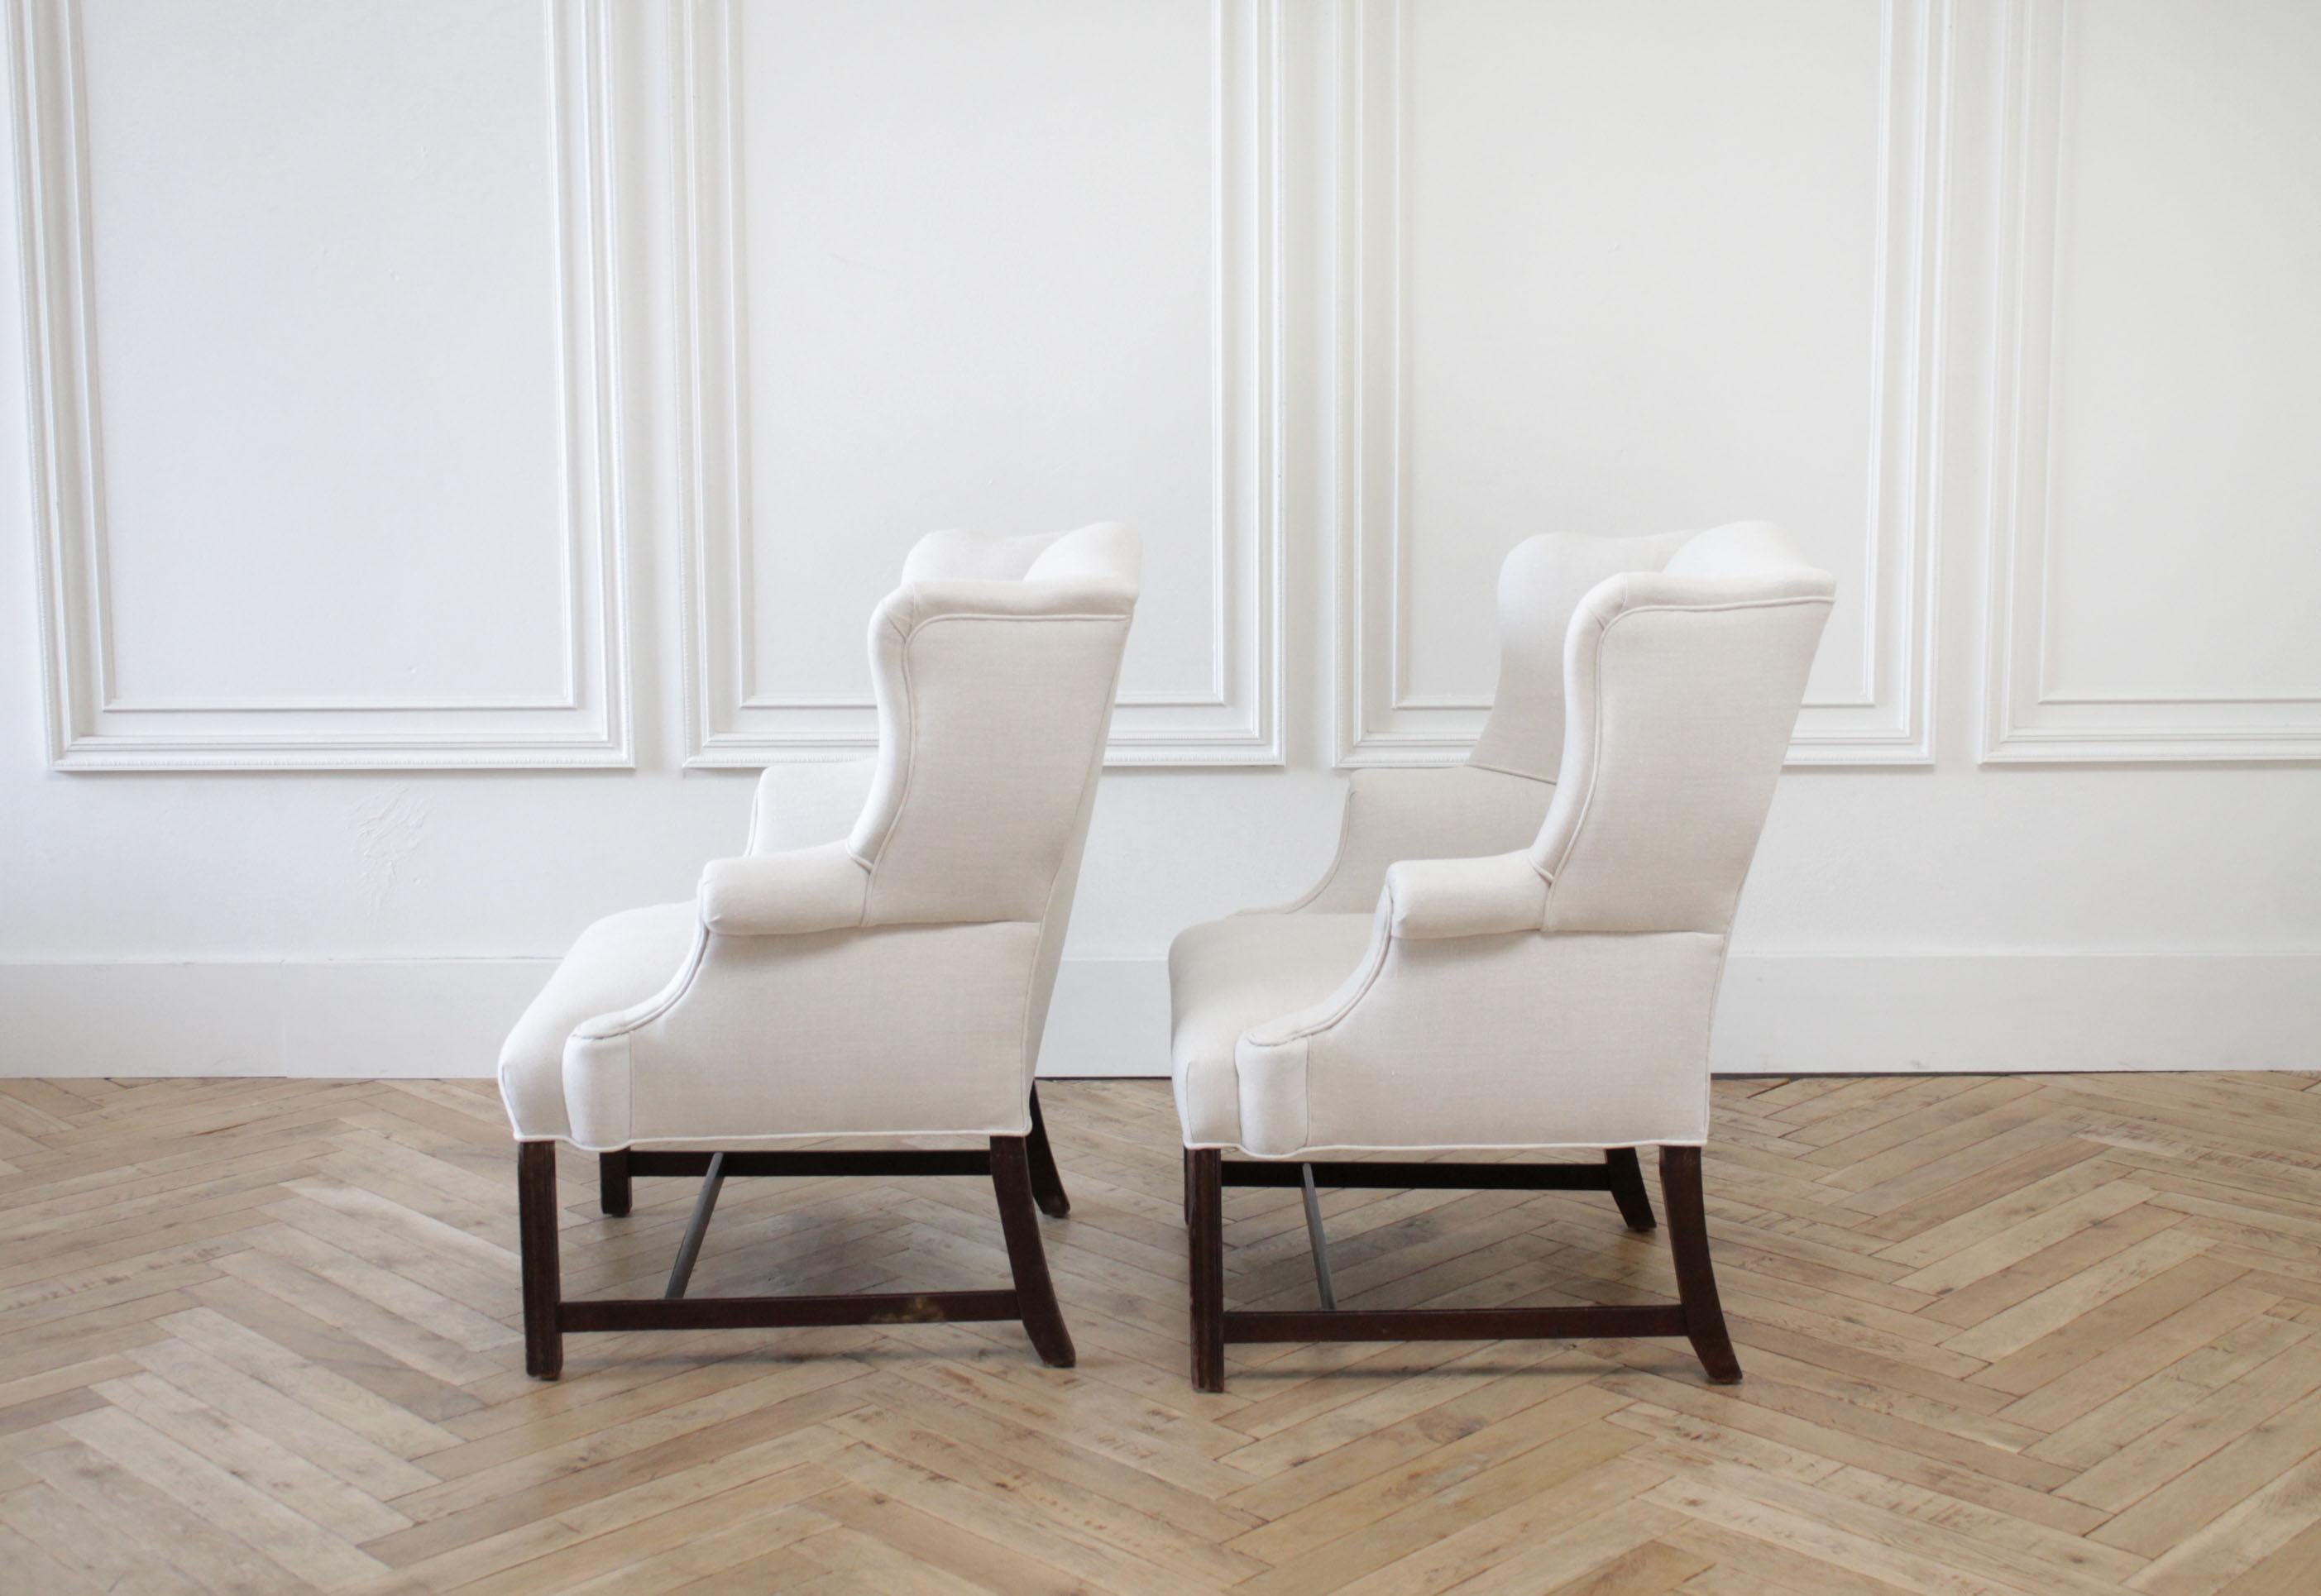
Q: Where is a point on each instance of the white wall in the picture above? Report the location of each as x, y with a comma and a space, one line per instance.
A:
464, 439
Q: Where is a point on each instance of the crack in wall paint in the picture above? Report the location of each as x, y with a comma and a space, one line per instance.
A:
387, 833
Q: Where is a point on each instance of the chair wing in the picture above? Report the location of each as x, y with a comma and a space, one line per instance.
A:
799, 805
1680, 695
1542, 583
994, 698
1495, 801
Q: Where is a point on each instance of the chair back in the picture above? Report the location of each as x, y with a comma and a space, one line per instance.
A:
995, 666
1541, 583
1680, 689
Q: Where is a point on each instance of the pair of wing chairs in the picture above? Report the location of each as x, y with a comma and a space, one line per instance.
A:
1518, 955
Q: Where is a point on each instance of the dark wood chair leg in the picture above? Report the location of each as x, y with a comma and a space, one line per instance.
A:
1046, 1184
1695, 1276
1628, 1187
612, 1193
536, 1201
1205, 1243
1044, 1317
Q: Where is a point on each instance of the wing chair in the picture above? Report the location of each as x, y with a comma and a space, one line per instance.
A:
878, 963
1521, 953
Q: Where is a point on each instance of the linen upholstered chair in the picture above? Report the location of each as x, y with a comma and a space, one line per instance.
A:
1521, 953
877, 964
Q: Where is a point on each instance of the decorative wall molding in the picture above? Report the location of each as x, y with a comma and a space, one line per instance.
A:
2025, 720
1888, 719
91, 725
1233, 717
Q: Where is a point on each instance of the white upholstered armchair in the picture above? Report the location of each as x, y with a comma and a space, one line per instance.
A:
877, 964
1521, 953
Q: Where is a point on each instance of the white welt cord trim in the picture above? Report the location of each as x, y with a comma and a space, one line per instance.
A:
637, 1016
1337, 860
628, 1021
1449, 1147
1594, 768
697, 1139
1048, 904
1381, 945
1362, 979
1596, 727
911, 732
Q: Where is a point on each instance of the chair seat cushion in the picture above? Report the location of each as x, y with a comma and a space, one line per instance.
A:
1230, 974
618, 962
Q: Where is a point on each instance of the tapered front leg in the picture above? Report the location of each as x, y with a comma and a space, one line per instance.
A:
1206, 1242
1035, 1290
1628, 1187
1695, 1276
613, 1192
535, 1202
1047, 1184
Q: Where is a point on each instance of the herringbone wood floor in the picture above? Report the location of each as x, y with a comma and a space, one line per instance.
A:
2050, 1335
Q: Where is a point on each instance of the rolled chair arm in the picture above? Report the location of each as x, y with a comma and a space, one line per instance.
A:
812, 889
1429, 899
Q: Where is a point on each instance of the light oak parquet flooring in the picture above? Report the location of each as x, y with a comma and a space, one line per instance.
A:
2005, 1337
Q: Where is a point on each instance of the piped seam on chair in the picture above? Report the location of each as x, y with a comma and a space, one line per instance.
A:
1708, 1033
1789, 602
1380, 947
708, 1140
1330, 872
911, 730
1048, 904
606, 1047
909, 754
1320, 1148
1525, 776
507, 1102
1595, 713
638, 1016
1381, 943
654, 1007
1277, 1085
1379, 950
1595, 770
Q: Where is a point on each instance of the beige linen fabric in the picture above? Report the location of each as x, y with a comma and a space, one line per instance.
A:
879, 959
1540, 966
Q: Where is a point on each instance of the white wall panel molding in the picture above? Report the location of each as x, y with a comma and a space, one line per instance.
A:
1884, 716
2173, 481
96, 721
739, 712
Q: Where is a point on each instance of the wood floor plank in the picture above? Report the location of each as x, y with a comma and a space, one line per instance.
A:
220, 1497
2017, 1336
2164, 1453
119, 1533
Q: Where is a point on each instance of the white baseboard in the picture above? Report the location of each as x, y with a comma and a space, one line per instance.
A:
1970, 1013
1780, 1014
352, 1017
